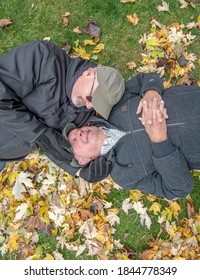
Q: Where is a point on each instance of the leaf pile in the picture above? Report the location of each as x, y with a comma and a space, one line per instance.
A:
165, 50
39, 199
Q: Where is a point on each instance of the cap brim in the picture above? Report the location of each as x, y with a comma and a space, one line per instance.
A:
100, 104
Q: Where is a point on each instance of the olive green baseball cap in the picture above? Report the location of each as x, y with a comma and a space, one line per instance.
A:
109, 91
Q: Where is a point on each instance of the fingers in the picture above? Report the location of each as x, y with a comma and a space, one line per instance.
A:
153, 111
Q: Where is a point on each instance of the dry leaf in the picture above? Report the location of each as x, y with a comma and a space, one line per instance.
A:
66, 14
94, 30
66, 47
65, 22
128, 1
98, 48
164, 7
77, 30
133, 19
5, 22
131, 65
190, 208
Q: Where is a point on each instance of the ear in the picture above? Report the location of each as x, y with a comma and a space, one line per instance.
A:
89, 72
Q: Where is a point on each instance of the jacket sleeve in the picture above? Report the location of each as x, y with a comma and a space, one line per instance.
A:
142, 82
21, 70
172, 177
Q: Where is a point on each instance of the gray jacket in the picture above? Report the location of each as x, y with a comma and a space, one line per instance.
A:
161, 169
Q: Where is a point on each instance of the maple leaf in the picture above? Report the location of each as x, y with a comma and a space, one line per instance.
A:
164, 7
131, 65
89, 42
77, 30
183, 3
155, 207
13, 244
21, 211
22, 179
94, 30
65, 22
98, 48
127, 205
66, 47
133, 19
5, 22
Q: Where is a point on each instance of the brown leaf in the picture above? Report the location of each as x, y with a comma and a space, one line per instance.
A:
5, 22
190, 208
131, 253
148, 255
66, 47
65, 22
182, 61
94, 30
162, 61
187, 80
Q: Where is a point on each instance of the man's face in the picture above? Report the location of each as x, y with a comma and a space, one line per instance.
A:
84, 88
86, 143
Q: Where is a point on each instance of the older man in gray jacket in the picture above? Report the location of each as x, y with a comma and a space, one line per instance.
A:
156, 157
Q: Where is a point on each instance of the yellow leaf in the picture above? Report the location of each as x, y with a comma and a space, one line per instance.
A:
98, 48
45, 219
12, 244
89, 42
80, 51
128, 1
175, 208
135, 195
155, 207
48, 257
133, 19
8, 193
13, 176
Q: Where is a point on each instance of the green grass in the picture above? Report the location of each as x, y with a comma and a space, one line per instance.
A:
121, 46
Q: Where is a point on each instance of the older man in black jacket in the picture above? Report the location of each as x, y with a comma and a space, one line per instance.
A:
41, 90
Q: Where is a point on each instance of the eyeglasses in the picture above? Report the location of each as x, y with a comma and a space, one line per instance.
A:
89, 97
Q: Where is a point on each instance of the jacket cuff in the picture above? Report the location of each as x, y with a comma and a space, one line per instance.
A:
162, 149
152, 82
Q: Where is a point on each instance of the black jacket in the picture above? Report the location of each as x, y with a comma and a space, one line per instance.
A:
36, 81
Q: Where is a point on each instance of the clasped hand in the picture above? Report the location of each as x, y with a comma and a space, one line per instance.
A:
153, 118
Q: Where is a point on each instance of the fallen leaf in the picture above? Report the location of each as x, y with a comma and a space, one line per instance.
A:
66, 47
89, 42
65, 22
128, 1
133, 19
131, 65
93, 30
5, 22
164, 7
77, 30
98, 48
182, 61
190, 208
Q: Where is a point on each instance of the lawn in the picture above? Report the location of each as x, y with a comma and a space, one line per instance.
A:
54, 216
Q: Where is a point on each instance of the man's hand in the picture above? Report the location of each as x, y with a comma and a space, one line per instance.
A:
148, 100
96, 170
55, 147
157, 130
